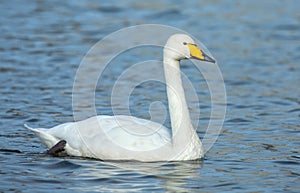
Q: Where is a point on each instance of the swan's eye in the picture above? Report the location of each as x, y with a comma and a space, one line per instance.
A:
184, 43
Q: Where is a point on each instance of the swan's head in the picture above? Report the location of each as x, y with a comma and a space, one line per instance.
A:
181, 46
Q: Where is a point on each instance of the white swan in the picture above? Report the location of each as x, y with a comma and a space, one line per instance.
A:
129, 138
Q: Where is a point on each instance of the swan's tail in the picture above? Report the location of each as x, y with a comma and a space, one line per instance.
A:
44, 135
31, 129
48, 137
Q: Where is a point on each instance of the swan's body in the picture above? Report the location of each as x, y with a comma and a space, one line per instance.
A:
130, 138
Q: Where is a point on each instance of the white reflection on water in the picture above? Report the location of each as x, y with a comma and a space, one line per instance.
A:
122, 176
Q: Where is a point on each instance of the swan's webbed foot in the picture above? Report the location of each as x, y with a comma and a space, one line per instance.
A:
57, 148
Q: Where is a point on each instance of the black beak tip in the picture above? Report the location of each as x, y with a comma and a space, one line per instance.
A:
209, 59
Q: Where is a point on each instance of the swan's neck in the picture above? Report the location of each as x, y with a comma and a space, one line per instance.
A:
182, 129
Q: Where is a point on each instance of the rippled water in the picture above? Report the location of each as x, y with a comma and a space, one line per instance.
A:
257, 44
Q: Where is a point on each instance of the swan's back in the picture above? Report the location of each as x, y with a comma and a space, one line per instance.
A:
128, 132
108, 137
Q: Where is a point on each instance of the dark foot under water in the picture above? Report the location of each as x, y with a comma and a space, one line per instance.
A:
57, 148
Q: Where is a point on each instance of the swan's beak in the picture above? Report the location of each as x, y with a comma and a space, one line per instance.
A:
198, 54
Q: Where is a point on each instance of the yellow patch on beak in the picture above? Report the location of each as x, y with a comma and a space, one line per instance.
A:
195, 51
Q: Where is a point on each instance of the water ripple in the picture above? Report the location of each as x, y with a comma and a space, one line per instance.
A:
43, 42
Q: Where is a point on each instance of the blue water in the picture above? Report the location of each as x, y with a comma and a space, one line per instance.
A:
256, 43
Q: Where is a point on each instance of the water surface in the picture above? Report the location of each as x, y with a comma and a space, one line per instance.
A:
257, 45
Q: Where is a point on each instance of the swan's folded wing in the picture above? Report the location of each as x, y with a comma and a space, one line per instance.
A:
117, 136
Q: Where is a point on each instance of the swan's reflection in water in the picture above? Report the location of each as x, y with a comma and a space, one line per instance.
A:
124, 176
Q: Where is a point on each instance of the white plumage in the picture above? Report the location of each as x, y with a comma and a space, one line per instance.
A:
129, 138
